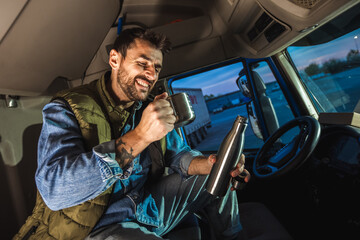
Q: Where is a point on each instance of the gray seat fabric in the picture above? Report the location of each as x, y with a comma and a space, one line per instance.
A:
17, 185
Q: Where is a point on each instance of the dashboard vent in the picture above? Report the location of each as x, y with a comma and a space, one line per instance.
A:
275, 30
260, 24
306, 3
263, 21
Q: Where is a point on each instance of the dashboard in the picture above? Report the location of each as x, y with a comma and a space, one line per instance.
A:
339, 148
334, 180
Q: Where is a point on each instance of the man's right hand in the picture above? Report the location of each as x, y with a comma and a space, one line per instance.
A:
157, 119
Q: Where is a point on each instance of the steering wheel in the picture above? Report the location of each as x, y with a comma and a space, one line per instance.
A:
290, 155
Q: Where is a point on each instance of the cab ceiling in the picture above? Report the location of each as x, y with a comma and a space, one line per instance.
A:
43, 41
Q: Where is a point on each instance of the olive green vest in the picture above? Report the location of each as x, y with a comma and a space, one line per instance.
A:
99, 121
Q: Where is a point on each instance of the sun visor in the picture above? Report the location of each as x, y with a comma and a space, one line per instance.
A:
52, 39
9, 9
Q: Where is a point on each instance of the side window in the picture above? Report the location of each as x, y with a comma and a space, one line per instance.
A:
217, 101
273, 104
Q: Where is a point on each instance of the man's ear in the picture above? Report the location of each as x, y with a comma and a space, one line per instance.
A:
114, 59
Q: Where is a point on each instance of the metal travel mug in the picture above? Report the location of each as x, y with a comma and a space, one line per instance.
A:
182, 107
228, 157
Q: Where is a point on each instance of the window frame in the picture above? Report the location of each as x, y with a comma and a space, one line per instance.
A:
276, 71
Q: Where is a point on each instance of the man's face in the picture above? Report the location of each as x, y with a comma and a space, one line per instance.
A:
139, 71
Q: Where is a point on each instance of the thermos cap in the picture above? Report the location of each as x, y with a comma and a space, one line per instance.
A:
241, 119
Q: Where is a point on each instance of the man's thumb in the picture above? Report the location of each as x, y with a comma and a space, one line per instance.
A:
164, 95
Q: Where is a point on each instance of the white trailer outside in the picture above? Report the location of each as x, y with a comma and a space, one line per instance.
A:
196, 131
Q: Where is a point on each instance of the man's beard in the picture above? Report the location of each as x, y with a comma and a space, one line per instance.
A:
127, 85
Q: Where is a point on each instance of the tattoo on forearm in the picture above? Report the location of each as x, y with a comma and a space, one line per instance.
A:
122, 155
120, 142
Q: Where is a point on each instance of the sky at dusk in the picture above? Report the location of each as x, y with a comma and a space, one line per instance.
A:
217, 81
319, 54
222, 80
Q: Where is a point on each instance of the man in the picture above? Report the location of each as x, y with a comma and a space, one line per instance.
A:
102, 153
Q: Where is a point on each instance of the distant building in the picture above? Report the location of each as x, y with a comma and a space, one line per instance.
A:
217, 104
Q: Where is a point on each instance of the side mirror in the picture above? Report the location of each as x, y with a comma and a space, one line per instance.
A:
254, 122
243, 85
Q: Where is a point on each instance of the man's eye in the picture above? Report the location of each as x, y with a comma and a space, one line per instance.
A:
142, 64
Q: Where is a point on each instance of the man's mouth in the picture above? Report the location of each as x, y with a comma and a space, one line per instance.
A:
143, 83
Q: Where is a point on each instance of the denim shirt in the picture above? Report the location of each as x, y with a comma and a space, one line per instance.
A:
67, 175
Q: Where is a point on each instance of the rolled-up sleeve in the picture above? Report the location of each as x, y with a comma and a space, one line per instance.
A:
109, 167
67, 175
178, 154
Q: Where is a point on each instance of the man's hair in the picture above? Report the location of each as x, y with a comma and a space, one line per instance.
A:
127, 37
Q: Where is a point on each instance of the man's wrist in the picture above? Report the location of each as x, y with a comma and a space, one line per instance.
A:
141, 136
199, 166
129, 146
124, 153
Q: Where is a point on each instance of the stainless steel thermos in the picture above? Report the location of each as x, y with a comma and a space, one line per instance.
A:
228, 157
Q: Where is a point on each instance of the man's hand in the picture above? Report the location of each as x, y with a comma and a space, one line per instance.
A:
157, 119
203, 166
240, 169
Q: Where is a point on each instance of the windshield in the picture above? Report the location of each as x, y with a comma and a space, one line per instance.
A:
330, 71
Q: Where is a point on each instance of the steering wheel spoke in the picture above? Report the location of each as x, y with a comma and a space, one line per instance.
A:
287, 152
304, 133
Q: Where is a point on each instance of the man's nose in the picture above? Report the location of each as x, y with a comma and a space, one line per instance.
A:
150, 73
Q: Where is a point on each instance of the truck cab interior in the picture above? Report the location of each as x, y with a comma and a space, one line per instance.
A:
292, 67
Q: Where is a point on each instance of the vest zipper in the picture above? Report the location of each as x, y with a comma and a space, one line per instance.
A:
31, 231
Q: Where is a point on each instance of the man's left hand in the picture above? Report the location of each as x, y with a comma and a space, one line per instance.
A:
203, 166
